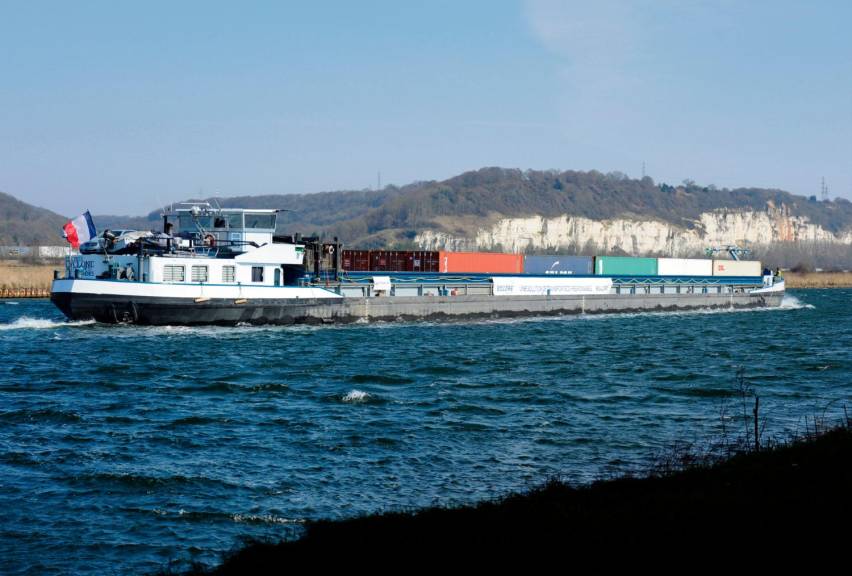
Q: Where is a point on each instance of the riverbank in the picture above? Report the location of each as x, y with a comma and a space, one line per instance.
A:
788, 495
20, 280
818, 279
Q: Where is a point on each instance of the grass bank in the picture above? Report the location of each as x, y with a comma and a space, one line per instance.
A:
789, 495
818, 279
17, 277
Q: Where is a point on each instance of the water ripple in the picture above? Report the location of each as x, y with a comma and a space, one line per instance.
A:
122, 447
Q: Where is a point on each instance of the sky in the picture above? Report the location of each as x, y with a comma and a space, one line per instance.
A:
120, 107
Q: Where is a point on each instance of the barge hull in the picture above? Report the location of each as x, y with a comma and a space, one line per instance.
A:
220, 311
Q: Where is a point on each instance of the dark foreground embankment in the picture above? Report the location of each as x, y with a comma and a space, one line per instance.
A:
797, 496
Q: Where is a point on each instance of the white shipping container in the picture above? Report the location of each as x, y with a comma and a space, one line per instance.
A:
737, 268
684, 267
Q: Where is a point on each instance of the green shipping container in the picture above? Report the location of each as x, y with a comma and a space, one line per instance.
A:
624, 265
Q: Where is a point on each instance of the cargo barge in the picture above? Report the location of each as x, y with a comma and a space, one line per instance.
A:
227, 266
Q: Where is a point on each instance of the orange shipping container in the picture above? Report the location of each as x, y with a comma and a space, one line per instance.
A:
481, 262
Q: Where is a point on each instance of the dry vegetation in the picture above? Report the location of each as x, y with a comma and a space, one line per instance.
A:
16, 275
818, 279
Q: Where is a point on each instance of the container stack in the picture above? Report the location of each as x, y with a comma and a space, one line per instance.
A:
561, 265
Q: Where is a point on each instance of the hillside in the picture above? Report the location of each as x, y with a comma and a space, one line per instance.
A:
339, 213
532, 211
22, 224
459, 206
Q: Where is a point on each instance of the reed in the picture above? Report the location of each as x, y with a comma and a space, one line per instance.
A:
26, 277
818, 279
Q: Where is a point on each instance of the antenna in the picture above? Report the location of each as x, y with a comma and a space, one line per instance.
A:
823, 191
160, 203
643, 169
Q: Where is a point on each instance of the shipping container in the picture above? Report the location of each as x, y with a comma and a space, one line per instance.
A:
558, 265
384, 260
421, 261
481, 262
389, 261
624, 265
356, 260
684, 267
403, 261
737, 268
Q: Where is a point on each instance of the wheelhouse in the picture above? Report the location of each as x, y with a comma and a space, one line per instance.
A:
236, 229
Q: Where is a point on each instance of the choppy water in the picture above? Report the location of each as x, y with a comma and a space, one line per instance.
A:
122, 448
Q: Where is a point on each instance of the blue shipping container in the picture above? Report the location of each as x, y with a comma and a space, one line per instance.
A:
559, 265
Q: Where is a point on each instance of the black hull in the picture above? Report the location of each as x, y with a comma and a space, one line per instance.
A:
226, 312
180, 311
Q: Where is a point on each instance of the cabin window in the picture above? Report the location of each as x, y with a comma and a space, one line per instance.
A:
228, 274
262, 221
189, 223
199, 273
172, 273
257, 273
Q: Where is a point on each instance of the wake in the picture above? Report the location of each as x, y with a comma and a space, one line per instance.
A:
27, 323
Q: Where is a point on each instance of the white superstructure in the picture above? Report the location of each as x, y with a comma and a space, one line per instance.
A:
204, 252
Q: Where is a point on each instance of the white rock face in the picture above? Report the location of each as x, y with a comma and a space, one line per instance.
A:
637, 237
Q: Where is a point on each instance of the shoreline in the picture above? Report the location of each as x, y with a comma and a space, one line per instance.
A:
767, 497
818, 279
25, 280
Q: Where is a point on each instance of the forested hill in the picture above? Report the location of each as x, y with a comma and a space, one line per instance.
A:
22, 224
394, 215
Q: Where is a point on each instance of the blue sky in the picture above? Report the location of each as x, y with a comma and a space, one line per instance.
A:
118, 107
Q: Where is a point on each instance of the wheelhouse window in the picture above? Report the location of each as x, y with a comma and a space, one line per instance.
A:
188, 223
199, 273
228, 274
235, 221
260, 221
257, 273
173, 273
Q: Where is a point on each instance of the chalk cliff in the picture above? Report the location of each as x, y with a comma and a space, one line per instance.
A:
637, 236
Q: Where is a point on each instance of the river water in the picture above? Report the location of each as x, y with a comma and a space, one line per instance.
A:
125, 448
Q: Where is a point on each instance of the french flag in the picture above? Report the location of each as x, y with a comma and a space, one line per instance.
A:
79, 230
